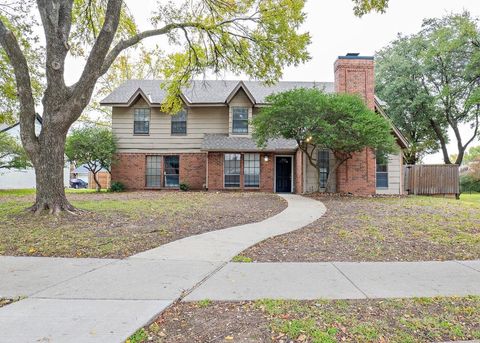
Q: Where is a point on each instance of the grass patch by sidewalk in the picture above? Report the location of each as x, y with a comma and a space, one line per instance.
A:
322, 321
117, 225
381, 229
8, 301
241, 258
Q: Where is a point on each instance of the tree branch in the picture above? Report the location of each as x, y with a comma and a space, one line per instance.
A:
24, 89
83, 89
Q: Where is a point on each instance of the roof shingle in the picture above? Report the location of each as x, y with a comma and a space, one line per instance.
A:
223, 142
206, 92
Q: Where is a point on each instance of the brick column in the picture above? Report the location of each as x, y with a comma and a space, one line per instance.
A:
355, 74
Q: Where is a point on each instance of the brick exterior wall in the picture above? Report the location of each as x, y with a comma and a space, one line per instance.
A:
193, 170
267, 170
357, 175
130, 170
215, 173
357, 76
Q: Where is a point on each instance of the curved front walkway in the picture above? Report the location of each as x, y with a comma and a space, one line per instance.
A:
94, 300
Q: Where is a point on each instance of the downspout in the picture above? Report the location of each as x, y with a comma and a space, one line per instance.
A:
206, 175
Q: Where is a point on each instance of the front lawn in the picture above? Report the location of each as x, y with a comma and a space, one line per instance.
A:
392, 320
117, 225
470, 197
381, 229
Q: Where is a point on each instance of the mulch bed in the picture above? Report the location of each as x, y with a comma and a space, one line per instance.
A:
393, 320
117, 225
380, 229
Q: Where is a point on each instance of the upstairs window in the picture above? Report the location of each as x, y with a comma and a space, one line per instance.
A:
231, 167
179, 123
382, 170
141, 123
240, 120
323, 167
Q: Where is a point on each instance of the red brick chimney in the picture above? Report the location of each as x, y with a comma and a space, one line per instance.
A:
355, 74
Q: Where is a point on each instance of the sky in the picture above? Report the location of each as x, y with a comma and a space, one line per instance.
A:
335, 31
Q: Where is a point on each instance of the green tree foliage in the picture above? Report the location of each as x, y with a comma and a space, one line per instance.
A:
473, 154
256, 38
22, 23
362, 7
341, 123
12, 155
399, 83
139, 64
442, 65
93, 147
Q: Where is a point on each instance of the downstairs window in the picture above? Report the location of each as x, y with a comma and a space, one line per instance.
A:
382, 170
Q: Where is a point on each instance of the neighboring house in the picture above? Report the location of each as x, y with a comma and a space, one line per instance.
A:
23, 178
208, 145
81, 172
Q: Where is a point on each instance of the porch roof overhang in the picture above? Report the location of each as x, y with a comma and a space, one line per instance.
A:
225, 143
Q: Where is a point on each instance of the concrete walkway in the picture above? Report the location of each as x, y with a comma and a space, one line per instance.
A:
94, 300
340, 280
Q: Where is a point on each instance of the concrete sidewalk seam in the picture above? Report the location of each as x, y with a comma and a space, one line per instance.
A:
346, 277
72, 278
466, 265
186, 293
101, 299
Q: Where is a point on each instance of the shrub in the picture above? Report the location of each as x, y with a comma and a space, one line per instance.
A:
184, 186
468, 183
117, 186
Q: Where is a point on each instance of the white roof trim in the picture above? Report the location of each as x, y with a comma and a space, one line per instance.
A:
395, 129
235, 91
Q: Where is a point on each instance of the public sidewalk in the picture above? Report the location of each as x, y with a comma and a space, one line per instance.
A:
95, 300
340, 280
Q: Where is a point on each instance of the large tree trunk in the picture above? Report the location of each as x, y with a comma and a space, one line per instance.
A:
443, 142
49, 164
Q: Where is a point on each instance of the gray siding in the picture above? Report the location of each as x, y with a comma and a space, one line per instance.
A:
395, 177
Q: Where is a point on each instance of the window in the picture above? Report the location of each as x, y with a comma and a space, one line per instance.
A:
141, 123
172, 167
240, 120
231, 167
251, 170
179, 123
382, 170
153, 175
323, 167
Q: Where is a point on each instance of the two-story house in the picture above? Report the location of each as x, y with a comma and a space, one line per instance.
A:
208, 145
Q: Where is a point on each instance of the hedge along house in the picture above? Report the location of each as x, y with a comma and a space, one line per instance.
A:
209, 145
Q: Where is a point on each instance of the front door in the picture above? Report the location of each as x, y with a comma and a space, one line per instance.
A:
283, 174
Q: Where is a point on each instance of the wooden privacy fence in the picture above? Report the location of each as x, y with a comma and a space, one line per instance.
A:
432, 179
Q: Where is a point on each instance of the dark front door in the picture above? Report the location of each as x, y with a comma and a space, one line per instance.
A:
283, 172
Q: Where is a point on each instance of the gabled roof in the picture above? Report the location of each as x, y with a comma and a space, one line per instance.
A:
5, 127
201, 92
379, 106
